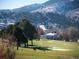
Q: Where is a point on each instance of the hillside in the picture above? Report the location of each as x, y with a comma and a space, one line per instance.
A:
51, 12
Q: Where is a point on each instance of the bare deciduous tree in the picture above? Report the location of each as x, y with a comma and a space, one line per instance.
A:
70, 34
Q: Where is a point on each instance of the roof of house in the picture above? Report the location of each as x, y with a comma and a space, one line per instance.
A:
51, 34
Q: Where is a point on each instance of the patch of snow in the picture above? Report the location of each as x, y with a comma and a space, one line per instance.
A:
46, 9
59, 49
42, 27
71, 0
10, 23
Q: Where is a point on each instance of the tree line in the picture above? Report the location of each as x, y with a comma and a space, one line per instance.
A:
71, 34
21, 32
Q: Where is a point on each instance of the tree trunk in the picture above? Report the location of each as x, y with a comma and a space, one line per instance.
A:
17, 47
32, 42
27, 44
18, 44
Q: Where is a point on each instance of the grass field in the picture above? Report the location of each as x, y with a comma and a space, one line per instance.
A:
49, 49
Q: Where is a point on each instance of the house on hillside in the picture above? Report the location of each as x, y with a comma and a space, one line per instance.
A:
7, 23
10, 23
52, 36
2, 26
46, 33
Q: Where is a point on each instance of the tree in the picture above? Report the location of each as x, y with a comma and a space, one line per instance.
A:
71, 34
28, 29
22, 31
7, 31
1, 32
20, 37
14, 33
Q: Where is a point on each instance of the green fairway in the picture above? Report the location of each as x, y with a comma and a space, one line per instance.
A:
49, 49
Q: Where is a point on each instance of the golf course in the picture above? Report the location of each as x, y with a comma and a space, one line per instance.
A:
49, 49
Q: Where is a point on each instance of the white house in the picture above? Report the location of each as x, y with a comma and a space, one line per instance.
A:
50, 36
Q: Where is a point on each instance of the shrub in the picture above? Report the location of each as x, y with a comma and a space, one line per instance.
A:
6, 51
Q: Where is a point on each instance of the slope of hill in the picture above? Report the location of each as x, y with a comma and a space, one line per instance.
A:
74, 14
50, 12
27, 8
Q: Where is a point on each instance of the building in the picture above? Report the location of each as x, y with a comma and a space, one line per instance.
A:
2, 26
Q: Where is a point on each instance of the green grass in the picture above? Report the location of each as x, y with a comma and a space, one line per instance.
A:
29, 53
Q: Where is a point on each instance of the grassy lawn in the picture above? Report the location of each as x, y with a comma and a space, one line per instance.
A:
49, 49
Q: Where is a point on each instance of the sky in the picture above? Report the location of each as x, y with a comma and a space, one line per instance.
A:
11, 4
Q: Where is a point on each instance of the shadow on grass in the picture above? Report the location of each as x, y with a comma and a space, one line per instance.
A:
34, 47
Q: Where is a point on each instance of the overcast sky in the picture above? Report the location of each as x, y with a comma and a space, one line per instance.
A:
11, 4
